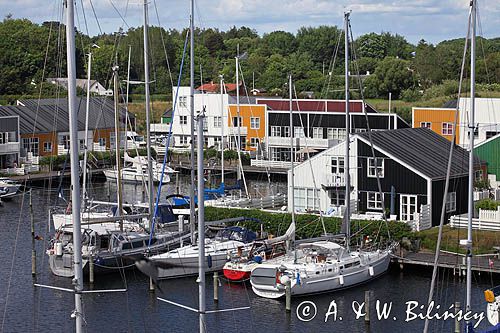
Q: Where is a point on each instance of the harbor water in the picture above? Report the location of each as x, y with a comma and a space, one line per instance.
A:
24, 308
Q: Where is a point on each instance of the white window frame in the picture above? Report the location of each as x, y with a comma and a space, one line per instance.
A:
371, 167
298, 132
276, 131
183, 140
447, 128
217, 122
426, 124
254, 122
318, 132
374, 200
286, 131
411, 207
102, 141
240, 121
451, 202
337, 198
183, 120
47, 147
254, 142
183, 101
337, 164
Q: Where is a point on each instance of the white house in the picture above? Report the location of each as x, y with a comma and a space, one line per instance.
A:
486, 119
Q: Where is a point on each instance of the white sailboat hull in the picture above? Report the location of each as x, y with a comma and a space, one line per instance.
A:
135, 177
265, 278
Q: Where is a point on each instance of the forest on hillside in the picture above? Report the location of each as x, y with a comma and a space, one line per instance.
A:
30, 53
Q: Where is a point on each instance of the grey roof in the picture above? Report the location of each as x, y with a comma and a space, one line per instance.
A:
451, 104
423, 150
49, 115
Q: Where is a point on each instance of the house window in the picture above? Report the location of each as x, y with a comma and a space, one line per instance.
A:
373, 200
31, 145
183, 140
102, 142
4, 138
47, 146
451, 202
205, 125
476, 132
183, 101
286, 131
298, 132
306, 199
183, 120
335, 133
425, 124
337, 197
375, 166
478, 175
275, 131
64, 141
447, 129
254, 122
217, 122
408, 206
359, 130
490, 134
237, 123
318, 132
82, 145
254, 142
337, 165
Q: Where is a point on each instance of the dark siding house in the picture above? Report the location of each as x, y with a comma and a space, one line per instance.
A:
412, 165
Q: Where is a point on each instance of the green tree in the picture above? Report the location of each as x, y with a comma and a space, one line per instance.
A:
391, 75
279, 42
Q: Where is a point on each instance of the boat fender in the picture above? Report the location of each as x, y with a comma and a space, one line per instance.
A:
209, 261
341, 280
257, 259
370, 269
284, 279
59, 249
297, 278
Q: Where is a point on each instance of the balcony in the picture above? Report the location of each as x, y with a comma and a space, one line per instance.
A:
278, 141
9, 148
335, 180
234, 131
160, 128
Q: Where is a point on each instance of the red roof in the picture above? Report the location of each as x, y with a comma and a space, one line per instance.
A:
214, 87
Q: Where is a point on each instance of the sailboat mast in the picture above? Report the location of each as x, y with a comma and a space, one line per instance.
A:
148, 132
471, 153
347, 213
292, 159
201, 224
222, 126
191, 105
117, 144
75, 179
238, 122
84, 182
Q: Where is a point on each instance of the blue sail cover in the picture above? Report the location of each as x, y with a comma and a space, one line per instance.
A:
493, 329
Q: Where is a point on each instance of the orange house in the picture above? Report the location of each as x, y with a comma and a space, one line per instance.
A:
253, 119
439, 120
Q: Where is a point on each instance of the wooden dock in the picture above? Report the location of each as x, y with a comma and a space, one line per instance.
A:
450, 261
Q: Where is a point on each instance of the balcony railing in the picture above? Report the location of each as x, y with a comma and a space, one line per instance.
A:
9, 148
303, 142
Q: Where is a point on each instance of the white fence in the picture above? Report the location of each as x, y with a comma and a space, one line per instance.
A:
422, 220
271, 164
479, 195
488, 220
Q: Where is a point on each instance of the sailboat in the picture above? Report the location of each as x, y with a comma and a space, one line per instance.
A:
8, 188
322, 266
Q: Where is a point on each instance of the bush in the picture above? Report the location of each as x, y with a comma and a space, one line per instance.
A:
488, 204
410, 95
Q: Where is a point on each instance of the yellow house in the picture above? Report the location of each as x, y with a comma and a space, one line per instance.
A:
253, 126
439, 120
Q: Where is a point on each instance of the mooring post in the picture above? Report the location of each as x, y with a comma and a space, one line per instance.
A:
288, 295
457, 321
367, 306
181, 227
216, 287
151, 285
33, 248
91, 269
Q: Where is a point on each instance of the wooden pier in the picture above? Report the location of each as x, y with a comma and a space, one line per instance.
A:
448, 260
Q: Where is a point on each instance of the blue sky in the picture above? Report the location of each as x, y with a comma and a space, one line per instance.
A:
432, 20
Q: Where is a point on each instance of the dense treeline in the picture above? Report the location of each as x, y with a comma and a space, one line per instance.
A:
314, 56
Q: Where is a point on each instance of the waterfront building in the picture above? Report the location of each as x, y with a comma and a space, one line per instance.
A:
9, 141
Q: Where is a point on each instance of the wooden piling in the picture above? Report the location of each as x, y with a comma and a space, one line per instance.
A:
288, 295
216, 287
367, 307
151, 285
33, 248
91, 269
457, 321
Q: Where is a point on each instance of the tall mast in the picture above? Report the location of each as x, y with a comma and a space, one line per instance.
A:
222, 126
347, 213
201, 224
191, 105
75, 179
126, 98
84, 182
471, 153
117, 144
238, 144
148, 133
292, 159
